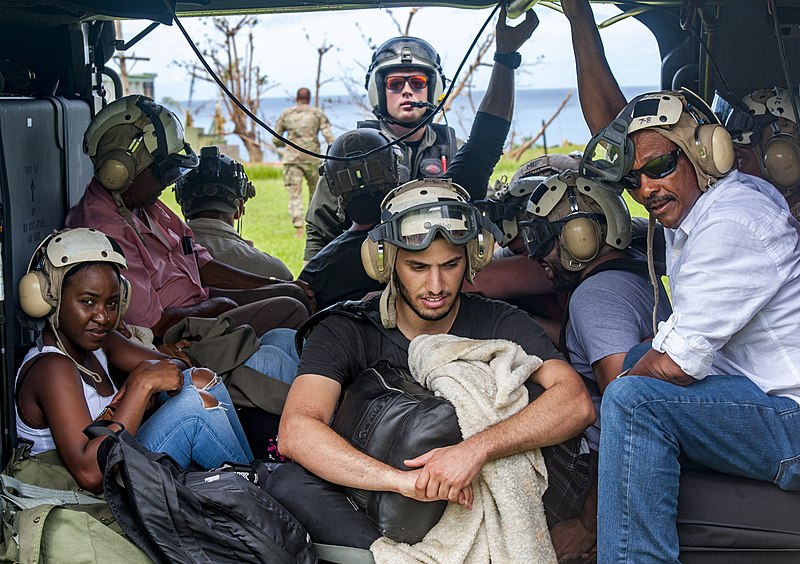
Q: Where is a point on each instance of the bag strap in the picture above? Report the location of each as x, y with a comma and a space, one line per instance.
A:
27, 496
362, 311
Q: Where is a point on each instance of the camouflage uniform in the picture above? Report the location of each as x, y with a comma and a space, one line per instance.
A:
302, 123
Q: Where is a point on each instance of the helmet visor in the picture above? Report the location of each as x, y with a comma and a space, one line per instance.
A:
176, 165
608, 153
415, 228
735, 117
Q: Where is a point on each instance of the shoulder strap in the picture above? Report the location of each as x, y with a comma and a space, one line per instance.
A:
445, 139
25, 370
627, 264
358, 310
26, 496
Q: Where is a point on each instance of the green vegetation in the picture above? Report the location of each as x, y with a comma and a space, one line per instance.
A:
266, 221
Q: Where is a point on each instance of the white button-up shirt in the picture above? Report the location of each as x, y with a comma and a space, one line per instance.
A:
734, 268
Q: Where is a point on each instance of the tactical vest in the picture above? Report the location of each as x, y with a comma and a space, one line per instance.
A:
431, 159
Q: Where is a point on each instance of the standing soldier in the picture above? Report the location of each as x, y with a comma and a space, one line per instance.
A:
302, 123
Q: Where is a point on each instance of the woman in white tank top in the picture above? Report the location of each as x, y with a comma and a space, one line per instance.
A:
64, 384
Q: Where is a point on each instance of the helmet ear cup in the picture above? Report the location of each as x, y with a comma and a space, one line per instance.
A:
480, 251
125, 291
782, 161
714, 147
378, 259
581, 238
117, 170
34, 291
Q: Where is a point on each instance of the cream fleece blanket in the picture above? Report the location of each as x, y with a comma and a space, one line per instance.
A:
484, 381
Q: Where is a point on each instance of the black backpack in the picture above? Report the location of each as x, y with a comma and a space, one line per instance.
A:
193, 516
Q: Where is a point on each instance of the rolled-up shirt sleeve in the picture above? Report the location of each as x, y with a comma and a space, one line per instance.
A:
722, 278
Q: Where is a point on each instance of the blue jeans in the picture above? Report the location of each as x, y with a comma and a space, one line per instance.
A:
277, 356
652, 427
189, 432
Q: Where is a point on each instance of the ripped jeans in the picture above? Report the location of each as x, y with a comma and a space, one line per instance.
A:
189, 432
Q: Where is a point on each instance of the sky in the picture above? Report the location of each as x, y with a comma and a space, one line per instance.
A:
286, 48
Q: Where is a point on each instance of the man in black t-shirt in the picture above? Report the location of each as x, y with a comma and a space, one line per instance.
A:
431, 239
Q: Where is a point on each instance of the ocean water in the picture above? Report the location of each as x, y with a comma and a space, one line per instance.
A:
532, 108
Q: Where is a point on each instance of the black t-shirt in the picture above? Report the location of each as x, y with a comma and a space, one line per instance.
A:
341, 348
336, 272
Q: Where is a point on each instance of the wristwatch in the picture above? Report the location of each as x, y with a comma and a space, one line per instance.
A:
511, 60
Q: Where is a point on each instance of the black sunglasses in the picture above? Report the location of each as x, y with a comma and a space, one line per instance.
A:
656, 168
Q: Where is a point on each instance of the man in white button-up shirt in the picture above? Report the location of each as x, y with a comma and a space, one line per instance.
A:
720, 386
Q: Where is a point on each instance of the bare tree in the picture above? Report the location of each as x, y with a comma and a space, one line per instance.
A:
235, 65
319, 81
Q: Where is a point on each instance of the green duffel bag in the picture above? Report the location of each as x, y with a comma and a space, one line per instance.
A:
46, 517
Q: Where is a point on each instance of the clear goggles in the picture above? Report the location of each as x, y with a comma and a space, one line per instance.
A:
539, 235
608, 154
415, 228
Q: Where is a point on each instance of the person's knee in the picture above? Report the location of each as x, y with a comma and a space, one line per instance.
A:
203, 377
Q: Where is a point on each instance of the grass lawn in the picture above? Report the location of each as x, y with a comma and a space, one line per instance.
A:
267, 223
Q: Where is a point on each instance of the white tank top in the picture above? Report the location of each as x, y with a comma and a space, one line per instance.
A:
42, 438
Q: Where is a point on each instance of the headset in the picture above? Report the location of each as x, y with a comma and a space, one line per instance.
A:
117, 168
772, 134
40, 288
582, 234
378, 252
680, 116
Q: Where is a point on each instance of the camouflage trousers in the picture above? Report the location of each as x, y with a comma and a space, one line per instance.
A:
293, 174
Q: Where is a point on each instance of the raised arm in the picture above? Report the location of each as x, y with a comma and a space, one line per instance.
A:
600, 95
499, 98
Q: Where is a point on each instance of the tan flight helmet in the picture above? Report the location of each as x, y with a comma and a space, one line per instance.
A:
686, 120
680, 116
412, 216
59, 253
132, 133
588, 218
516, 193
777, 142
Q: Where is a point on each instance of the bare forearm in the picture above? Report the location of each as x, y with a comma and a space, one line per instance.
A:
220, 275
560, 413
316, 445
600, 96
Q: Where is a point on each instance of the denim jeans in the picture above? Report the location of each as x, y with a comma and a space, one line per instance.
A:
189, 432
277, 356
652, 427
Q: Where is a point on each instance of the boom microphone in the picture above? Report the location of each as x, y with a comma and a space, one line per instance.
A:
422, 105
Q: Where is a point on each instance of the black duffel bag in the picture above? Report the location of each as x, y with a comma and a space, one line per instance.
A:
175, 515
389, 416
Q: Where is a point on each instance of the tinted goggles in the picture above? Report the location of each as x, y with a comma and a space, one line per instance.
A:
397, 83
415, 228
659, 167
539, 235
